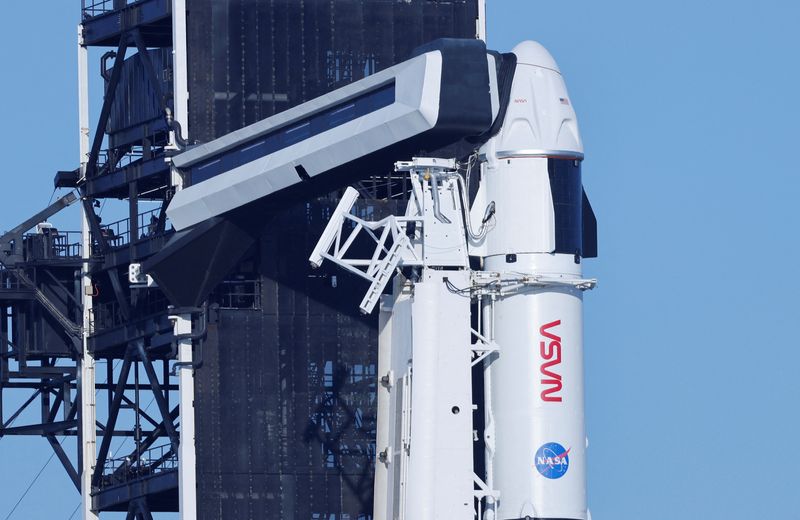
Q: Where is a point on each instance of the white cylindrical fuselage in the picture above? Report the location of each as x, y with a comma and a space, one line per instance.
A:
532, 173
539, 463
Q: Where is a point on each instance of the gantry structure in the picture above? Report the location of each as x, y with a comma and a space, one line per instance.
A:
266, 353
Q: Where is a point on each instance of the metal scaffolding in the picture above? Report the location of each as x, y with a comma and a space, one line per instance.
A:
275, 364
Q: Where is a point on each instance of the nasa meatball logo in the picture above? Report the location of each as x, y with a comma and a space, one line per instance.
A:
552, 460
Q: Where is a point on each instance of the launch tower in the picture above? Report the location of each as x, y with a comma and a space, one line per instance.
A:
271, 410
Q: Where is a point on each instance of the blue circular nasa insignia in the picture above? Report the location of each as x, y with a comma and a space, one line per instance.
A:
552, 460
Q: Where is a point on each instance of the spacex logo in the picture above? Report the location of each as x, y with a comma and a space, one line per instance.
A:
550, 350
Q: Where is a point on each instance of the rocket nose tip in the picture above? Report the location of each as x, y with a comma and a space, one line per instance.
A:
533, 53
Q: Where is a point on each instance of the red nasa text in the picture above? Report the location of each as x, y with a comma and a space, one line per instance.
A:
551, 358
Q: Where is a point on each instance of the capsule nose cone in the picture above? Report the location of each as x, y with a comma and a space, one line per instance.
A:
534, 53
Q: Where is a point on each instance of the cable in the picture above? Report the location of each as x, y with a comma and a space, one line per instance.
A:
470, 161
52, 196
75, 511
455, 290
30, 486
113, 369
61, 442
124, 440
467, 290
39, 474
490, 208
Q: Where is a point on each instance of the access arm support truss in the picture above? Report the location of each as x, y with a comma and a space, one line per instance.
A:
392, 247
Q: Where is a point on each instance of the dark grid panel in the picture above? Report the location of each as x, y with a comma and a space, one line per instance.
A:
285, 400
249, 59
136, 103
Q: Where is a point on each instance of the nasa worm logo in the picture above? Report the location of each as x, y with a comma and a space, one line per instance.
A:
552, 460
550, 351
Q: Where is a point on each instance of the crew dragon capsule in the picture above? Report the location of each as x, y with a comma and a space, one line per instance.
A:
536, 440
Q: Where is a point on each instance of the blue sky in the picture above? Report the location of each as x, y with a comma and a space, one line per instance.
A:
689, 116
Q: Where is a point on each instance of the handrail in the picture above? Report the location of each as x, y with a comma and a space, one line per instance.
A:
53, 245
8, 281
117, 234
71, 327
129, 158
158, 459
107, 316
238, 294
92, 8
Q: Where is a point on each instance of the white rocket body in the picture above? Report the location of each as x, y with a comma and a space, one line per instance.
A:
537, 457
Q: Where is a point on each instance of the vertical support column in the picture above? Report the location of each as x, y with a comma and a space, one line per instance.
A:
482, 20
133, 216
180, 75
488, 415
83, 101
440, 472
4, 348
383, 433
187, 465
87, 437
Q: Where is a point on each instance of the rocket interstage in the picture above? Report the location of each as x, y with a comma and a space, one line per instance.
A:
536, 440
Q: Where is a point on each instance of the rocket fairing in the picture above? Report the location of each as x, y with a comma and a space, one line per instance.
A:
536, 441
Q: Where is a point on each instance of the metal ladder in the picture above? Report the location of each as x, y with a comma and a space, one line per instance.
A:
382, 275
70, 326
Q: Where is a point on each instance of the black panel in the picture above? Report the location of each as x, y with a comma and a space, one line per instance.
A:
506, 69
137, 110
66, 179
589, 229
285, 399
195, 261
567, 191
250, 59
466, 103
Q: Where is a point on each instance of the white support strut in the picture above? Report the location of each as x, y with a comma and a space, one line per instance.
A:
86, 380
481, 22
334, 246
180, 83
187, 458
